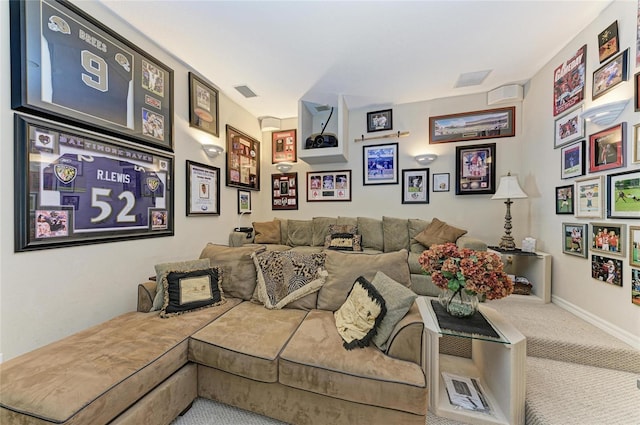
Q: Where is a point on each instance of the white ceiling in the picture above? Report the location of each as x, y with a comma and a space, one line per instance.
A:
375, 53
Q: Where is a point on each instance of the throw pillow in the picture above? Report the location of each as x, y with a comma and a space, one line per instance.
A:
398, 300
286, 276
439, 232
357, 320
343, 242
163, 269
267, 232
189, 291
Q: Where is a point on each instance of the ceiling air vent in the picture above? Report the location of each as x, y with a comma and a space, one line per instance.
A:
322, 108
245, 91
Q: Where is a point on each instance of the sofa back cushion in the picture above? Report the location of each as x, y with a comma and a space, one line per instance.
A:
300, 233
321, 229
238, 271
416, 226
396, 233
344, 268
284, 230
372, 233
267, 232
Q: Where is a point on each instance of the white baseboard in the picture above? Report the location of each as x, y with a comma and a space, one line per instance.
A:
609, 328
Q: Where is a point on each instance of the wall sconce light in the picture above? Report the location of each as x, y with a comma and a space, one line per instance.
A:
604, 114
283, 167
270, 124
425, 159
212, 151
508, 188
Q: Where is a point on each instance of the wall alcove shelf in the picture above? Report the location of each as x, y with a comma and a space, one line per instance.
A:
386, 136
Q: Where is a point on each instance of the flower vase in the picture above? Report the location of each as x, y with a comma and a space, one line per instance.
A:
459, 303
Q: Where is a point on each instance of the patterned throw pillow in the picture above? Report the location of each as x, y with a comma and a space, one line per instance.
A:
162, 270
192, 290
343, 242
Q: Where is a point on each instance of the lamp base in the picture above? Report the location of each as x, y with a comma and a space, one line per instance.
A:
507, 243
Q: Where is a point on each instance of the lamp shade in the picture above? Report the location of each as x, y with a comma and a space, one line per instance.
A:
508, 188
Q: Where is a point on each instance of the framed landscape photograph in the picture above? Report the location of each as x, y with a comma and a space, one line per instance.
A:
634, 246
203, 105
572, 160
380, 120
606, 269
569, 127
284, 193
441, 182
329, 186
589, 196
623, 190
415, 186
569, 82
610, 74
574, 237
73, 187
284, 146
608, 42
244, 201
476, 169
380, 164
606, 149
243, 160
203, 189
609, 238
125, 93
564, 199
487, 124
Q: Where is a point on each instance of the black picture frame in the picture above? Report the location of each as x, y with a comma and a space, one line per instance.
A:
610, 75
565, 199
476, 125
203, 105
625, 182
127, 94
380, 164
572, 160
73, 187
244, 201
608, 42
441, 182
203, 189
243, 160
380, 120
476, 169
415, 186
284, 191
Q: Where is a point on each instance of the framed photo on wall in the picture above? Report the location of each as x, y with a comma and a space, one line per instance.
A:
608, 42
477, 125
606, 269
564, 199
380, 164
636, 91
623, 200
283, 146
380, 120
102, 82
73, 187
203, 105
441, 182
574, 237
243, 160
634, 246
569, 127
609, 238
569, 82
589, 195
610, 74
415, 186
203, 189
476, 169
244, 201
606, 149
284, 193
572, 160
329, 186
636, 144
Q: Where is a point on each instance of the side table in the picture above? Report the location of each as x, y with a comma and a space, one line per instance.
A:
534, 266
499, 366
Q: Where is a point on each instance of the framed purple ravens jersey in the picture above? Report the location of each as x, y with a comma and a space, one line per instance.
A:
84, 71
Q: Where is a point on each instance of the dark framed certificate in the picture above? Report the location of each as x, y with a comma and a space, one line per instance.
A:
203, 189
75, 187
68, 66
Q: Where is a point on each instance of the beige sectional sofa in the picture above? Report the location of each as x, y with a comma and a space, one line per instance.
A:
290, 364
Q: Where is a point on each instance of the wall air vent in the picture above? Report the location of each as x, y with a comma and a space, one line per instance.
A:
245, 91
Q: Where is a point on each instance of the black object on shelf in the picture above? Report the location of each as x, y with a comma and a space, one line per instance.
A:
516, 251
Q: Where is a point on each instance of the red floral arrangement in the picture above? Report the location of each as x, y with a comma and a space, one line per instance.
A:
477, 272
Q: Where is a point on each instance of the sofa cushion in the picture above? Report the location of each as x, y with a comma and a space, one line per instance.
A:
162, 270
300, 233
439, 232
343, 228
284, 229
315, 361
189, 291
357, 320
344, 268
372, 234
396, 233
398, 299
267, 232
246, 341
321, 229
287, 276
343, 242
238, 270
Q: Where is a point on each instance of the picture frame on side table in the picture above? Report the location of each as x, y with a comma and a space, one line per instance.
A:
440, 182
284, 146
380, 164
607, 148
572, 160
380, 120
574, 237
244, 201
609, 75
127, 93
569, 127
623, 200
476, 169
284, 193
606, 269
329, 186
131, 192
569, 82
608, 42
243, 160
415, 186
610, 238
634, 246
589, 196
203, 105
203, 189
564, 199
476, 125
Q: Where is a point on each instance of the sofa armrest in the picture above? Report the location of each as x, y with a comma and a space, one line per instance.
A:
240, 238
405, 342
146, 294
471, 243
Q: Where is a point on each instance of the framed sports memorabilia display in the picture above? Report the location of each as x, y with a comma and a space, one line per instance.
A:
569, 127
244, 201
606, 148
380, 164
636, 92
476, 169
284, 193
68, 66
203, 105
569, 82
589, 195
610, 74
634, 246
477, 125
608, 42
73, 187
610, 238
329, 186
283, 146
243, 160
636, 144
415, 186
380, 120
623, 200
564, 199
440, 182
574, 239
572, 160
606, 269
203, 189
